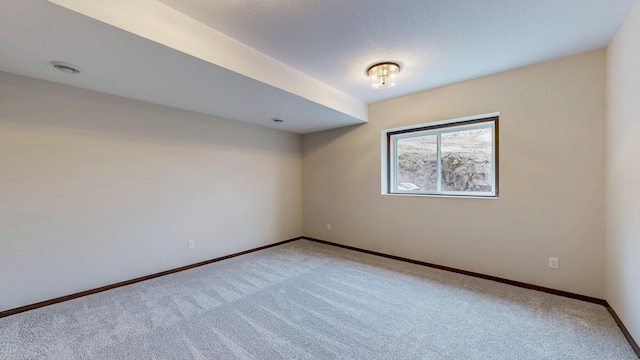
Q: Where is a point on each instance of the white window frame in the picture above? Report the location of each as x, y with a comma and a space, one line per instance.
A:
389, 161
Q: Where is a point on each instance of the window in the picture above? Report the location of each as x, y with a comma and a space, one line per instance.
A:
454, 158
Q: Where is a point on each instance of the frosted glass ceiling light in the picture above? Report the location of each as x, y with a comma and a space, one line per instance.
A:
383, 75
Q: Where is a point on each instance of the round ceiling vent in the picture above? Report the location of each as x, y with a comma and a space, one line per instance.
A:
66, 67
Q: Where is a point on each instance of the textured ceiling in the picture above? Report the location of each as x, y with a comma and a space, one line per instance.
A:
302, 60
438, 42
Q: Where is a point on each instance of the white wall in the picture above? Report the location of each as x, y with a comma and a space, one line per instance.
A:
97, 189
623, 172
552, 165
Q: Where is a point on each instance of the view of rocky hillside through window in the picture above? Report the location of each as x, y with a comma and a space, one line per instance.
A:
466, 161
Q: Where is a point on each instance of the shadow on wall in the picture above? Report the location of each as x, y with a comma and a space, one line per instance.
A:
71, 109
322, 138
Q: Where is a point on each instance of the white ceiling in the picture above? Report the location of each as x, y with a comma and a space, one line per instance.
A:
438, 42
300, 60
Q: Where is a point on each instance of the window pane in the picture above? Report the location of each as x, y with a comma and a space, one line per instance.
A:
417, 163
467, 160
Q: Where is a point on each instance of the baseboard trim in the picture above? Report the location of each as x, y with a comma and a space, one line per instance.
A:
470, 273
632, 342
133, 281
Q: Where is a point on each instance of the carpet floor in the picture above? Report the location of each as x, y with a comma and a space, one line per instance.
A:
305, 300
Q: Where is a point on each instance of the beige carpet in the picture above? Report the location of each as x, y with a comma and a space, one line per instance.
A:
305, 300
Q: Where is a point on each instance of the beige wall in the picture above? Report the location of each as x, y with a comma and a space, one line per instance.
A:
623, 172
552, 163
96, 189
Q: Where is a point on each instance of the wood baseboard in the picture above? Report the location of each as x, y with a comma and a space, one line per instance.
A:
626, 333
470, 273
132, 281
632, 342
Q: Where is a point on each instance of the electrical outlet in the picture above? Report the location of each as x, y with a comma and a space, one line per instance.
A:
192, 244
553, 262
328, 226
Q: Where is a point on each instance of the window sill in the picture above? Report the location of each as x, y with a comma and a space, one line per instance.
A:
445, 196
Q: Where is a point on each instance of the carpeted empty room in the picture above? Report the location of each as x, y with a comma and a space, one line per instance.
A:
307, 179
305, 300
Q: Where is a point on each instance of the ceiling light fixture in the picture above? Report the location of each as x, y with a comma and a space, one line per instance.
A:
383, 75
66, 67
